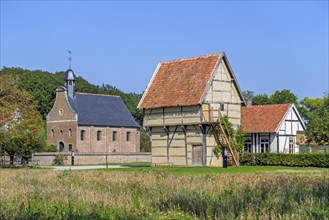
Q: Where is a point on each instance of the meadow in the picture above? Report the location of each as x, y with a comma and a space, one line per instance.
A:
166, 193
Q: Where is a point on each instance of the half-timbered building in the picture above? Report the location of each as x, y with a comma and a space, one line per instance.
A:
271, 128
182, 101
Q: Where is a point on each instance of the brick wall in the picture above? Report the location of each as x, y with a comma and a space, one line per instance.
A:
106, 142
61, 122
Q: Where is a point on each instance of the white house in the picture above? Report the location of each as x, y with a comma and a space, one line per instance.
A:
271, 128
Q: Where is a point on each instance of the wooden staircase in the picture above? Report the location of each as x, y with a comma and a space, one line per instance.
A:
223, 138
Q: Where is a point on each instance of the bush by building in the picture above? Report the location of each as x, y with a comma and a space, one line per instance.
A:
292, 160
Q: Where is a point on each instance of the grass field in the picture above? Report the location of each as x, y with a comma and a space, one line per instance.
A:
166, 193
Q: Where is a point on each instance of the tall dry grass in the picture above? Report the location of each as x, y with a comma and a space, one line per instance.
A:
42, 194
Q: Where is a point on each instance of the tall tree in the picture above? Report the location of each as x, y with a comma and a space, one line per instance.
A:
308, 106
283, 96
21, 127
261, 99
317, 115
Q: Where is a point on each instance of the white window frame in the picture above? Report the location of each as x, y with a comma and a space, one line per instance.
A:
264, 144
291, 149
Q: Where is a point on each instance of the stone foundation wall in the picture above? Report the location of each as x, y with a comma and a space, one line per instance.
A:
45, 159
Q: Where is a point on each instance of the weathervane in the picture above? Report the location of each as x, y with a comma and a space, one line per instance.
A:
70, 58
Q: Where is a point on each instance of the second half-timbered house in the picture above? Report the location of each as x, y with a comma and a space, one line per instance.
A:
271, 128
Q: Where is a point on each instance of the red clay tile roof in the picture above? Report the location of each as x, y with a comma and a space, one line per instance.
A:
179, 82
263, 118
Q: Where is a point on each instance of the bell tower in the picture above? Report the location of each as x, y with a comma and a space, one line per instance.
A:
70, 79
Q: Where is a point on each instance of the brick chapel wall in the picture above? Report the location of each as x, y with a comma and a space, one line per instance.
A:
61, 103
62, 132
106, 144
61, 123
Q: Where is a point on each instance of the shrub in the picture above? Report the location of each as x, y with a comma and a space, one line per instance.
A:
293, 160
50, 148
60, 159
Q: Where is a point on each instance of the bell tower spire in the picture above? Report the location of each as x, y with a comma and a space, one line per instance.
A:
70, 58
70, 79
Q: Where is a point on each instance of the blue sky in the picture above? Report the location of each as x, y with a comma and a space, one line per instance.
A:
271, 45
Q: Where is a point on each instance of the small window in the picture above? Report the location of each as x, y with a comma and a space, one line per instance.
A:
222, 107
52, 132
70, 147
99, 135
264, 145
128, 136
114, 136
61, 111
291, 146
70, 132
247, 145
61, 132
82, 135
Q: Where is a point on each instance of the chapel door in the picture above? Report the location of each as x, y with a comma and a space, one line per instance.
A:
61, 146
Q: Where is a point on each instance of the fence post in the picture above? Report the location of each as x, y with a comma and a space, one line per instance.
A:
72, 158
107, 166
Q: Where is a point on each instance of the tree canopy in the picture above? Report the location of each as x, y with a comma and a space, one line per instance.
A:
283, 96
261, 99
21, 126
316, 112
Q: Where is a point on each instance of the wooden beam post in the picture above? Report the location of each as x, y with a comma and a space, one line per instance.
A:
204, 144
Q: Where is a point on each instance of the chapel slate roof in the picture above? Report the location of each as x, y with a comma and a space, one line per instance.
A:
102, 110
179, 82
263, 118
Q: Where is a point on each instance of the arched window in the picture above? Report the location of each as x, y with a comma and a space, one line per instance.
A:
70, 132
52, 133
99, 135
61, 132
82, 135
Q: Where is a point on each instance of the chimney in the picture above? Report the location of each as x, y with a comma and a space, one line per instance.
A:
248, 102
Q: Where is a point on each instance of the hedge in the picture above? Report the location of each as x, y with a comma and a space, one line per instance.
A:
292, 160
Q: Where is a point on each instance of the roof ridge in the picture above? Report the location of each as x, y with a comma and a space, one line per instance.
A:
96, 94
268, 105
191, 58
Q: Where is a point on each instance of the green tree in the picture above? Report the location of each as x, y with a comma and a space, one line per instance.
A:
317, 115
308, 106
283, 96
145, 141
261, 99
21, 128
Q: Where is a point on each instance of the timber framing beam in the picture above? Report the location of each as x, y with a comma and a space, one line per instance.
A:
205, 129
